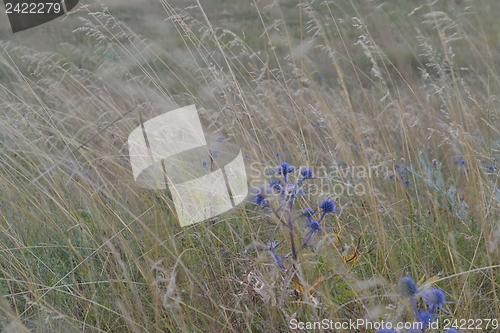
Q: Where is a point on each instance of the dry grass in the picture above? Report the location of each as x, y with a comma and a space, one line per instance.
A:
83, 249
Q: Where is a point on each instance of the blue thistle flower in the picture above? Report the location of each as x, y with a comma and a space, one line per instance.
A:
435, 299
327, 206
426, 318
276, 186
400, 175
314, 227
307, 173
308, 213
451, 330
284, 169
407, 287
260, 201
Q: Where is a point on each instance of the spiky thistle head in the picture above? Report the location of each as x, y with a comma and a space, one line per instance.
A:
276, 186
284, 169
426, 318
327, 206
435, 299
407, 287
314, 225
306, 174
308, 213
260, 200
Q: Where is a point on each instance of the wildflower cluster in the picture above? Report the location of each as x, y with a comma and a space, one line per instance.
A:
434, 299
279, 198
492, 168
401, 175
461, 164
459, 161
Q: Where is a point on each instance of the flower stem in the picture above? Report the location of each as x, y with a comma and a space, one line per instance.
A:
292, 239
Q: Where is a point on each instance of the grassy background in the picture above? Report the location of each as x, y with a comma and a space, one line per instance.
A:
362, 83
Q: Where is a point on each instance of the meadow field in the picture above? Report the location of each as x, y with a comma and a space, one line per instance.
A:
370, 131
